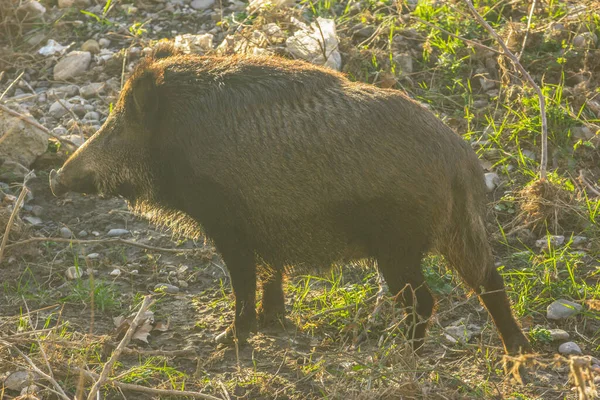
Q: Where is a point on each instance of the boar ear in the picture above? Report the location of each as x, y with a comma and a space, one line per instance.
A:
145, 94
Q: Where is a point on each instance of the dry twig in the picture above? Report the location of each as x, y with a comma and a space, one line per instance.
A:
529, 79
11, 220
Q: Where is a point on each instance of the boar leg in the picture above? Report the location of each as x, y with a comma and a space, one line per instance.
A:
272, 309
242, 270
403, 275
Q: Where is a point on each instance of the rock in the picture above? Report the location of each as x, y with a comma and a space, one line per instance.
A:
578, 240
585, 40
486, 83
561, 309
74, 273
310, 43
91, 46
558, 334
91, 90
198, 44
11, 171
117, 232
79, 110
569, 348
167, 288
60, 108
20, 142
492, 180
91, 116
66, 232
201, 4
115, 272
29, 392
19, 380
82, 234
73, 64
104, 43
93, 256
30, 10
35, 221
459, 332
38, 211
582, 133
183, 284
52, 47
528, 154
71, 3
404, 62
554, 240
77, 140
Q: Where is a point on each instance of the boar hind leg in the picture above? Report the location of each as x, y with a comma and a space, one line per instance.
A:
242, 270
272, 309
402, 273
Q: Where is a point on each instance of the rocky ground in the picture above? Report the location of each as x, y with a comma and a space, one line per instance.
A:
74, 270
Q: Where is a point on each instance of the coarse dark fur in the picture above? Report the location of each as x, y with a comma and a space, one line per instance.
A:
286, 163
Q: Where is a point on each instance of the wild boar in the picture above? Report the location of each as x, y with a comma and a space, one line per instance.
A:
283, 163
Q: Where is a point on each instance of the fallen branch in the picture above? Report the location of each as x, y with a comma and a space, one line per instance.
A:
164, 353
527, 30
143, 389
39, 126
117, 353
529, 79
99, 241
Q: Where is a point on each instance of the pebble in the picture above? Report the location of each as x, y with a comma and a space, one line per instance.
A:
91, 90
585, 40
492, 180
201, 4
91, 46
582, 132
60, 108
77, 140
559, 334
93, 256
35, 221
11, 171
91, 116
115, 272
71, 3
117, 232
578, 240
555, 240
31, 9
167, 288
95, 233
405, 63
569, 348
66, 232
82, 234
561, 309
183, 284
38, 211
104, 43
74, 273
73, 64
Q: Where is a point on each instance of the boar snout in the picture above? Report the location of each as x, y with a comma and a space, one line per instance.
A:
62, 181
57, 188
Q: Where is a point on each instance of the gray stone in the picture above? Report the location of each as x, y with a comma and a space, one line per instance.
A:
167, 288
73, 3
578, 240
585, 40
404, 62
561, 309
582, 133
82, 234
72, 65
35, 221
38, 211
91, 116
20, 379
91, 46
201, 4
30, 10
117, 232
66, 232
569, 348
60, 108
74, 273
555, 240
559, 334
104, 43
20, 141
77, 140
11, 171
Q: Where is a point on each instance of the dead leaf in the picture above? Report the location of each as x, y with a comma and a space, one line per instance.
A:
143, 331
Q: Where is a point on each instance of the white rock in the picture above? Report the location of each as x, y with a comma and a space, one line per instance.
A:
569, 348
20, 141
309, 43
31, 10
104, 43
82, 233
492, 180
52, 47
559, 334
73, 64
77, 140
167, 288
115, 272
73, 273
578, 240
562, 308
66, 232
117, 232
198, 44
256, 4
201, 4
93, 256
554, 240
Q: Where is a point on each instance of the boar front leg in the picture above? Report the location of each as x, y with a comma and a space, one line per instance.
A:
242, 270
